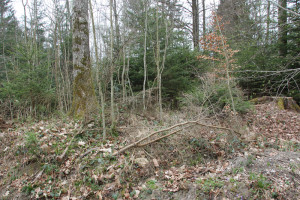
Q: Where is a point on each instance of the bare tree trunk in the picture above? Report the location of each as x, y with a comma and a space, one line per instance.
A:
145, 54
111, 66
98, 71
35, 39
203, 17
268, 23
84, 97
118, 37
69, 13
25, 19
157, 61
282, 27
127, 73
56, 65
195, 13
63, 89
123, 74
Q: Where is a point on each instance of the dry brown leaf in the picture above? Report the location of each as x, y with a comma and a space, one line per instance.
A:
155, 162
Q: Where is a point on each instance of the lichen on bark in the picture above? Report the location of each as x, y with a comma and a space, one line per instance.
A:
84, 102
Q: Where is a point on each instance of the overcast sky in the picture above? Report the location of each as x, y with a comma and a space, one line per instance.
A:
18, 7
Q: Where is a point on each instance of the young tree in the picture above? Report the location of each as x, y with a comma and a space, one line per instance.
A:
112, 104
84, 98
145, 54
98, 71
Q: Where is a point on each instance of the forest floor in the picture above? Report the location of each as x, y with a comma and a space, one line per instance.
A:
198, 162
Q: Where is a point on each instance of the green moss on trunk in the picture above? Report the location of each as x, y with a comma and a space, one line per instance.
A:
84, 103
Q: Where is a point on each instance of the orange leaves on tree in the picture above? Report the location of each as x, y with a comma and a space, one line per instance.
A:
216, 48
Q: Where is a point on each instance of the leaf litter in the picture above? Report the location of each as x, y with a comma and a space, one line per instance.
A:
267, 167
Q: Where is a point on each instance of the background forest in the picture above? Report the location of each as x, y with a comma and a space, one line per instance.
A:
155, 46
149, 99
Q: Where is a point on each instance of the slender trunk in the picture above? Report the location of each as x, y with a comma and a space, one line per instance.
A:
162, 69
69, 53
282, 28
98, 71
157, 61
35, 39
111, 66
123, 75
195, 13
268, 23
69, 13
227, 63
56, 66
67, 79
117, 25
203, 17
127, 73
25, 19
63, 84
145, 55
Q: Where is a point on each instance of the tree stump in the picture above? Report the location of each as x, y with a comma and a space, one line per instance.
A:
283, 103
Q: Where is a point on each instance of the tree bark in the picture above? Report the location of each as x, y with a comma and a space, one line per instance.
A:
203, 18
118, 36
195, 13
111, 66
268, 23
282, 28
145, 55
84, 97
157, 61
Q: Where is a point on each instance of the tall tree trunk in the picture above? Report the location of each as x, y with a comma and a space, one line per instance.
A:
118, 37
157, 62
203, 17
123, 74
69, 13
268, 23
98, 71
111, 66
145, 55
35, 37
69, 53
56, 66
282, 28
84, 97
195, 13
25, 20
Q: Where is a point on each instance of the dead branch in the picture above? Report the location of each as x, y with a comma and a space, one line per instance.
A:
155, 140
61, 157
89, 151
219, 127
192, 123
144, 138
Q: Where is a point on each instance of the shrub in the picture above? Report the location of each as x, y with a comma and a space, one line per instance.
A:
216, 94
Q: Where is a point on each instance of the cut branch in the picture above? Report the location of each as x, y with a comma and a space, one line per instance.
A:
192, 123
